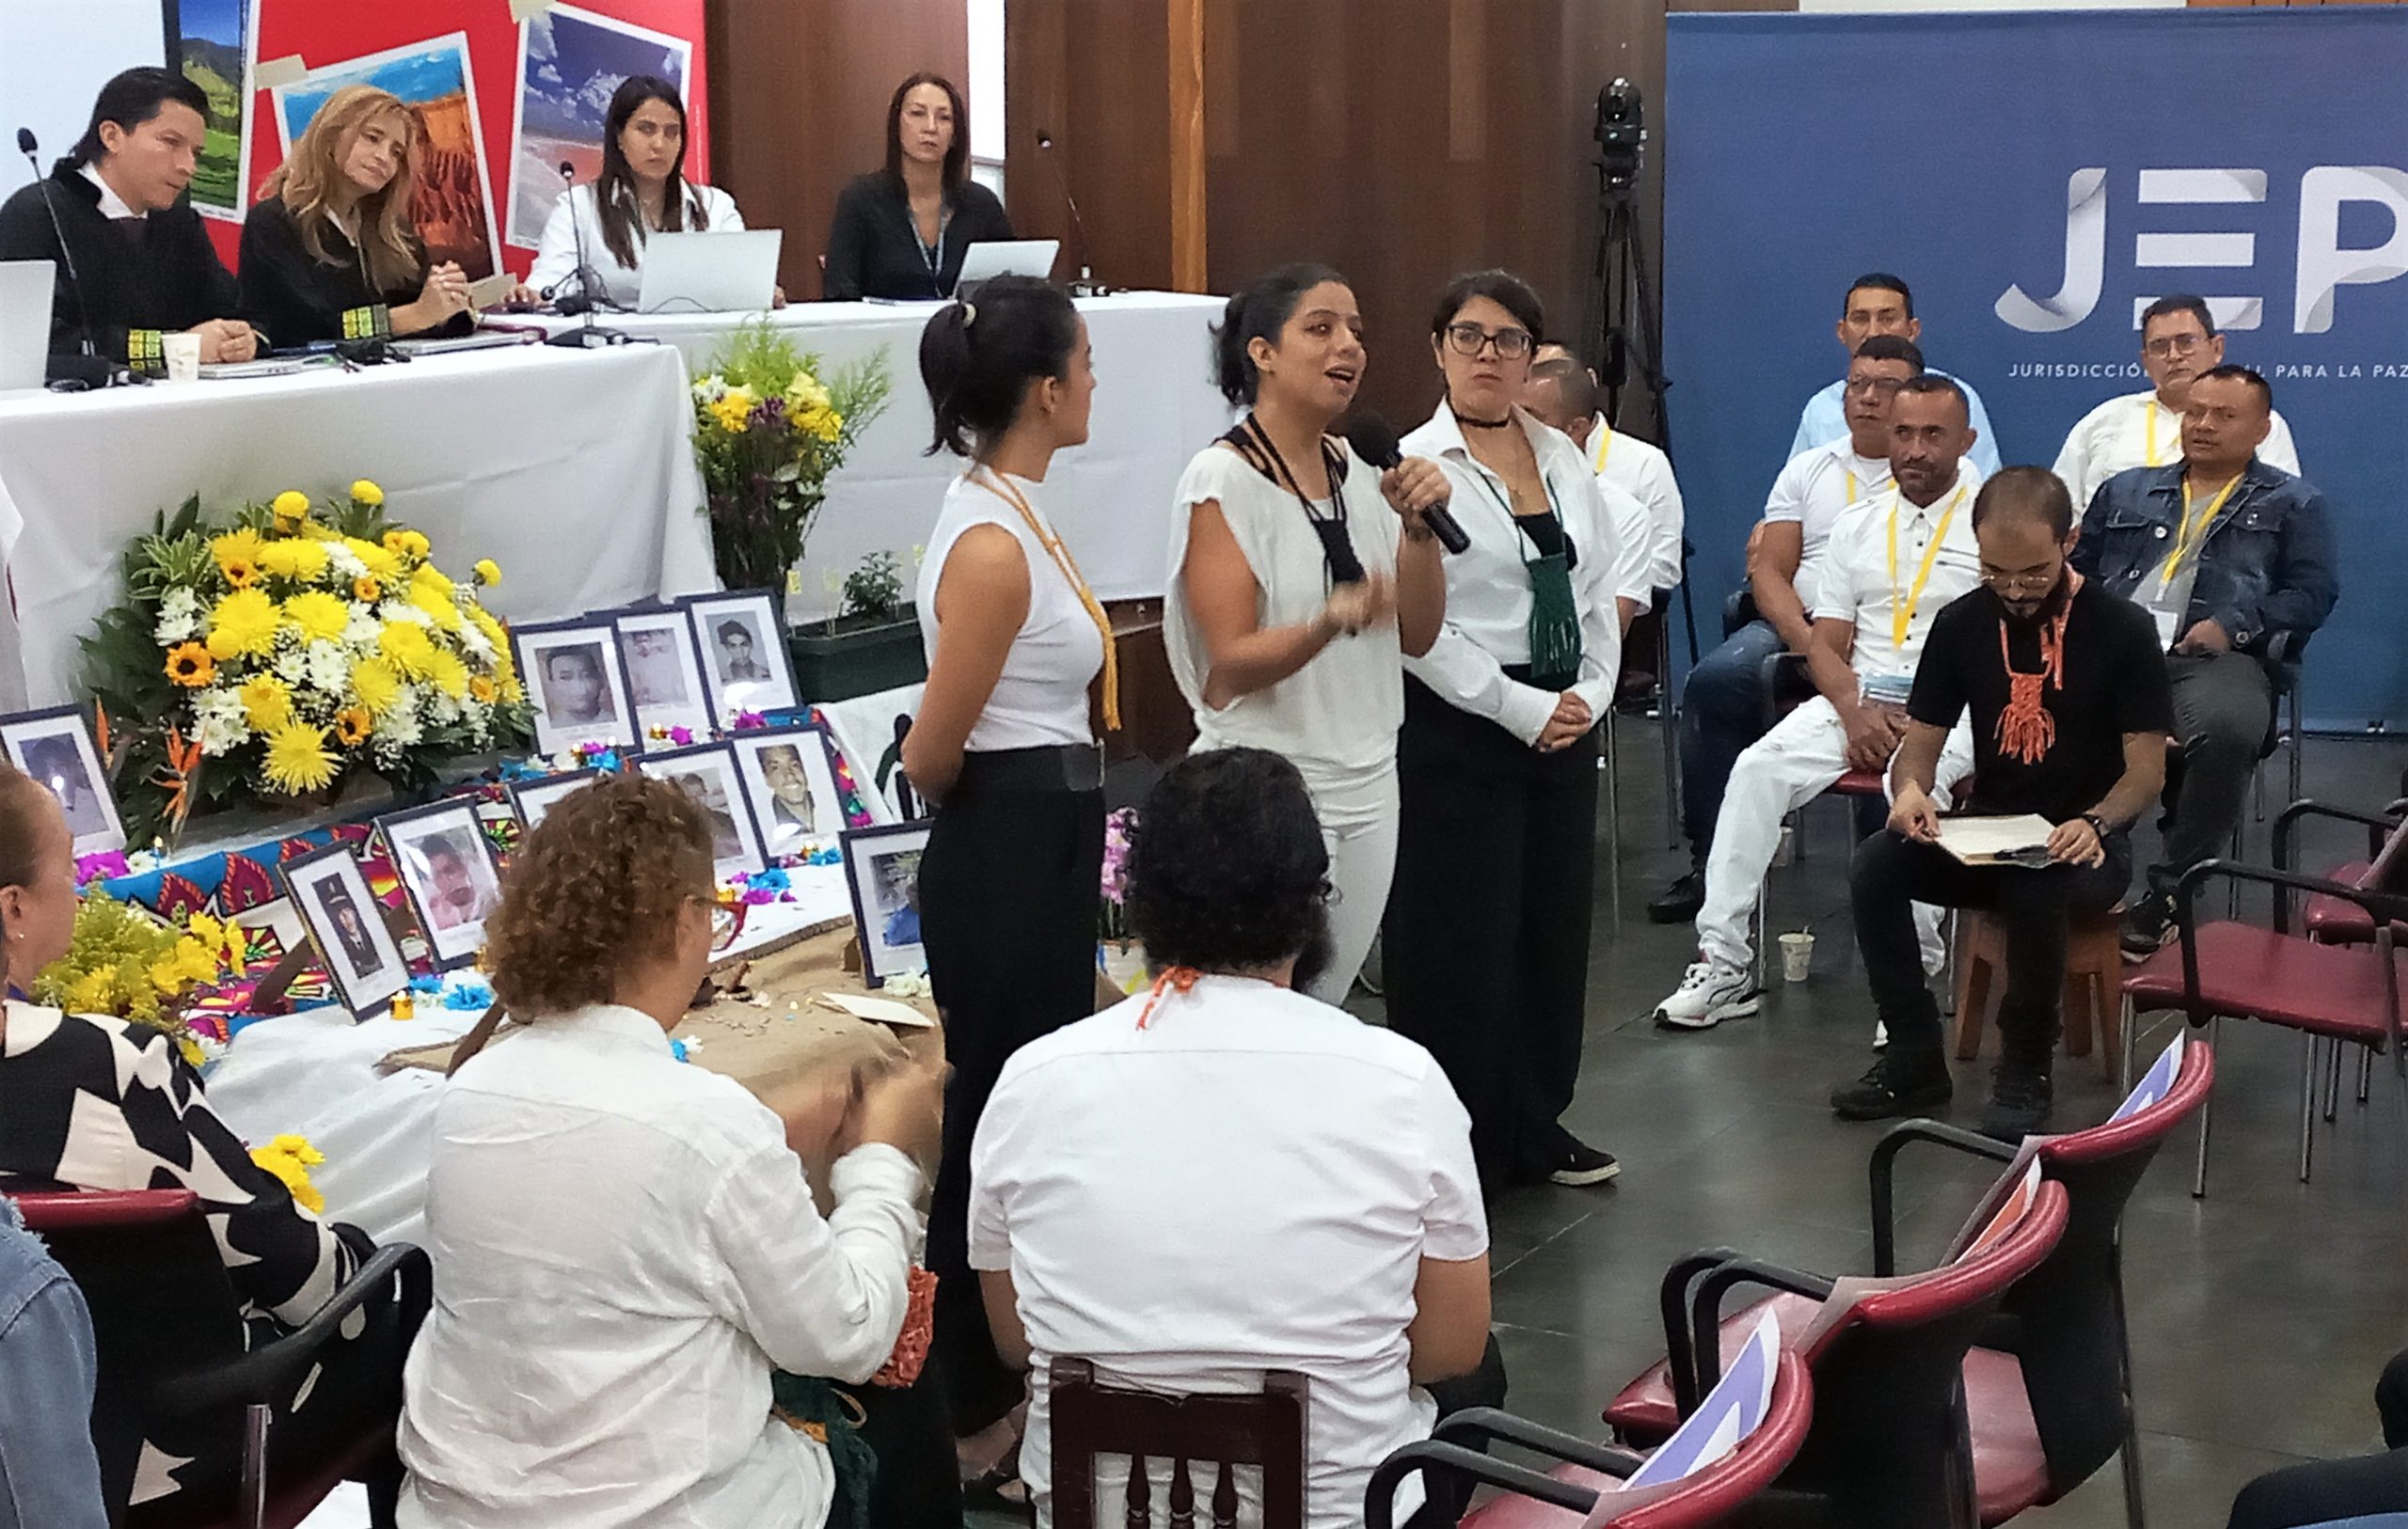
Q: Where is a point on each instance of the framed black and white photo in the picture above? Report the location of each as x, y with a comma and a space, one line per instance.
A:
707, 773
743, 649
55, 748
791, 785
347, 927
448, 872
532, 798
665, 681
576, 684
883, 864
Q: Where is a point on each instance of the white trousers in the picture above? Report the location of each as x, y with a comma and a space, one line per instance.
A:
1358, 826
1803, 755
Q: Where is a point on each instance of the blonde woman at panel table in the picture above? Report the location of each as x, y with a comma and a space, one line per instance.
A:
1300, 579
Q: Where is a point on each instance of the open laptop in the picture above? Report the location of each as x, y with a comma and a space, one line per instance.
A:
990, 258
25, 288
709, 273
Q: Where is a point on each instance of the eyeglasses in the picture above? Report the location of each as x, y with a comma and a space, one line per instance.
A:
1877, 386
1467, 340
2165, 345
2020, 583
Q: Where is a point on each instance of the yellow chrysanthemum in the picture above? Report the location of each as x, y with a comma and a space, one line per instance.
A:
94, 992
297, 760
208, 931
190, 666
168, 975
319, 616
238, 556
806, 392
481, 690
364, 490
824, 422
291, 507
196, 961
352, 724
447, 674
295, 557
732, 409
406, 544
366, 589
190, 1050
377, 682
512, 691
381, 562
435, 578
289, 1159
483, 619
243, 622
268, 704
488, 571
408, 646
438, 607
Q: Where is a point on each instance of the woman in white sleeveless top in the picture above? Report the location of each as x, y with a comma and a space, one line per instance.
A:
1003, 751
1300, 578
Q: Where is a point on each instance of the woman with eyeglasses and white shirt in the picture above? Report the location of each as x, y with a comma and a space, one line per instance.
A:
1486, 954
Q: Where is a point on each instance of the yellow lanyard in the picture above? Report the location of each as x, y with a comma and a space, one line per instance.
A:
1001, 487
1605, 445
2193, 533
1852, 486
2151, 452
1902, 607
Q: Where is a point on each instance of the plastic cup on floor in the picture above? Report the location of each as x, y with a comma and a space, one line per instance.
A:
1797, 955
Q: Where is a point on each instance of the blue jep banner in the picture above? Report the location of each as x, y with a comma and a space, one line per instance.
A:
2037, 178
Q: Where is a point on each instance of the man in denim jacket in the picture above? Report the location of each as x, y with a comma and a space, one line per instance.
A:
49, 1476
2234, 558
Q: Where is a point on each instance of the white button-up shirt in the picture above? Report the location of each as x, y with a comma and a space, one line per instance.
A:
112, 205
624, 1248
1858, 584
2136, 431
1645, 473
576, 222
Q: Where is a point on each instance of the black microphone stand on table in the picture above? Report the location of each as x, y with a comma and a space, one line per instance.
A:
97, 370
588, 335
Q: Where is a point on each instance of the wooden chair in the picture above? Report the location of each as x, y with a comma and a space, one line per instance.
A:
1264, 1429
2093, 991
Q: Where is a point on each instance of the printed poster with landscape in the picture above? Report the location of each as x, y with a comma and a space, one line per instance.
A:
208, 49
453, 205
570, 61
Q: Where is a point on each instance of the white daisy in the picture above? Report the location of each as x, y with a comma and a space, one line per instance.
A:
344, 562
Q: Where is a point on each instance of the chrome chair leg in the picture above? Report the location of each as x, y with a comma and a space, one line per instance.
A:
1609, 760
2332, 1080
2365, 1071
2307, 1105
2207, 1119
1668, 722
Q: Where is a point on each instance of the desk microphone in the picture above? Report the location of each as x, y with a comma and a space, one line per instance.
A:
584, 301
1375, 441
1077, 225
28, 146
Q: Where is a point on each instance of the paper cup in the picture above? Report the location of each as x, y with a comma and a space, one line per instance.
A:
1797, 955
183, 355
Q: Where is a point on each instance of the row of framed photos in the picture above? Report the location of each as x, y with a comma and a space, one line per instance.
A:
611, 677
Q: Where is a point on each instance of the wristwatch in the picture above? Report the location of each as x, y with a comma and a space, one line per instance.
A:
2097, 826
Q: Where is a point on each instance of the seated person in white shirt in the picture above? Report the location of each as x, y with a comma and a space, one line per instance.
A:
627, 1244
1554, 400
2178, 345
1723, 705
1895, 558
1223, 1176
641, 190
1879, 302
1566, 395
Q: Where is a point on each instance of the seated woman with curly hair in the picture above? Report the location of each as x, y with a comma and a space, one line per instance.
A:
1225, 1177
626, 1246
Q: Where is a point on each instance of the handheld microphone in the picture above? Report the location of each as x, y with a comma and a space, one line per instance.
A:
1077, 225
1375, 441
29, 148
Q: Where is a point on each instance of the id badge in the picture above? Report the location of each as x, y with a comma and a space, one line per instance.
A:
2169, 628
1892, 689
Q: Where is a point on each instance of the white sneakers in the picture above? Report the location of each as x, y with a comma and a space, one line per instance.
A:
1708, 995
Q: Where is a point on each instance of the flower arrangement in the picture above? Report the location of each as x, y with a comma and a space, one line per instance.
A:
767, 431
127, 962
266, 658
289, 1159
1120, 833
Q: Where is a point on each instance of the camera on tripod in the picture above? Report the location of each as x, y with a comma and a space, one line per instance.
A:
1621, 128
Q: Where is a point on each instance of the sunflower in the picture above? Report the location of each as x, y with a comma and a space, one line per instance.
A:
352, 724
297, 760
295, 557
481, 690
365, 589
364, 490
321, 617
408, 646
238, 556
243, 622
189, 665
377, 685
267, 703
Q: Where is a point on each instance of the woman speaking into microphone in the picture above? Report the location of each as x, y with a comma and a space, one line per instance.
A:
1487, 951
1300, 579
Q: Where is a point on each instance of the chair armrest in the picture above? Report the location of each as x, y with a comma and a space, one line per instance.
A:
1673, 1300
1705, 1308
2382, 906
1885, 1153
265, 1376
2287, 819
1431, 1458
1474, 1426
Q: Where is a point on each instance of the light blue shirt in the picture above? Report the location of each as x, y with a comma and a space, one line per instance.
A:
49, 1475
1824, 419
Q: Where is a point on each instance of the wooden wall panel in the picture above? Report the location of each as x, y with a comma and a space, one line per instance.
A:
797, 94
1095, 76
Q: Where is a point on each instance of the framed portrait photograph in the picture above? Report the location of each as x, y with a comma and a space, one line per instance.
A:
531, 799
792, 787
664, 674
707, 773
576, 684
347, 927
449, 874
55, 748
883, 864
743, 648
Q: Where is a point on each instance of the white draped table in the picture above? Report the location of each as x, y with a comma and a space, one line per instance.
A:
1155, 408
574, 470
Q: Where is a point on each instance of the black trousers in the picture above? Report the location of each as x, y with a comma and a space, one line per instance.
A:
1009, 889
2223, 705
1890, 874
2329, 1491
1485, 948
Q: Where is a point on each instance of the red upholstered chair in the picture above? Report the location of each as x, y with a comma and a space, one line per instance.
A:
2333, 920
2226, 968
1572, 1493
170, 1343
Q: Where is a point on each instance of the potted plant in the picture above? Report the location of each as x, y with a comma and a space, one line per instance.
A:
871, 644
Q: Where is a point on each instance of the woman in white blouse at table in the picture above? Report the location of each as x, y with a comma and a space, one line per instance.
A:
1488, 950
1300, 579
641, 190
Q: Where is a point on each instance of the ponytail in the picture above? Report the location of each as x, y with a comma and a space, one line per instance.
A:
1258, 310
978, 356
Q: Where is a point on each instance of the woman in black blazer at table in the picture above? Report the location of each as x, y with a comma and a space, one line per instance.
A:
899, 232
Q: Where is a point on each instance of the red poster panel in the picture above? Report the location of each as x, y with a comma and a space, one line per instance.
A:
502, 102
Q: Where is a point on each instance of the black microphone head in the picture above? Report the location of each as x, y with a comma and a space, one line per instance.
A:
25, 144
1044, 139
1373, 439
568, 171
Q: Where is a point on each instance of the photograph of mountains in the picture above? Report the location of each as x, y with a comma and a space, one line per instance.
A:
209, 52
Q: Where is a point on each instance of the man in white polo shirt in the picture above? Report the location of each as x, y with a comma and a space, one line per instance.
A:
1223, 1176
1894, 559
1565, 394
2178, 345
